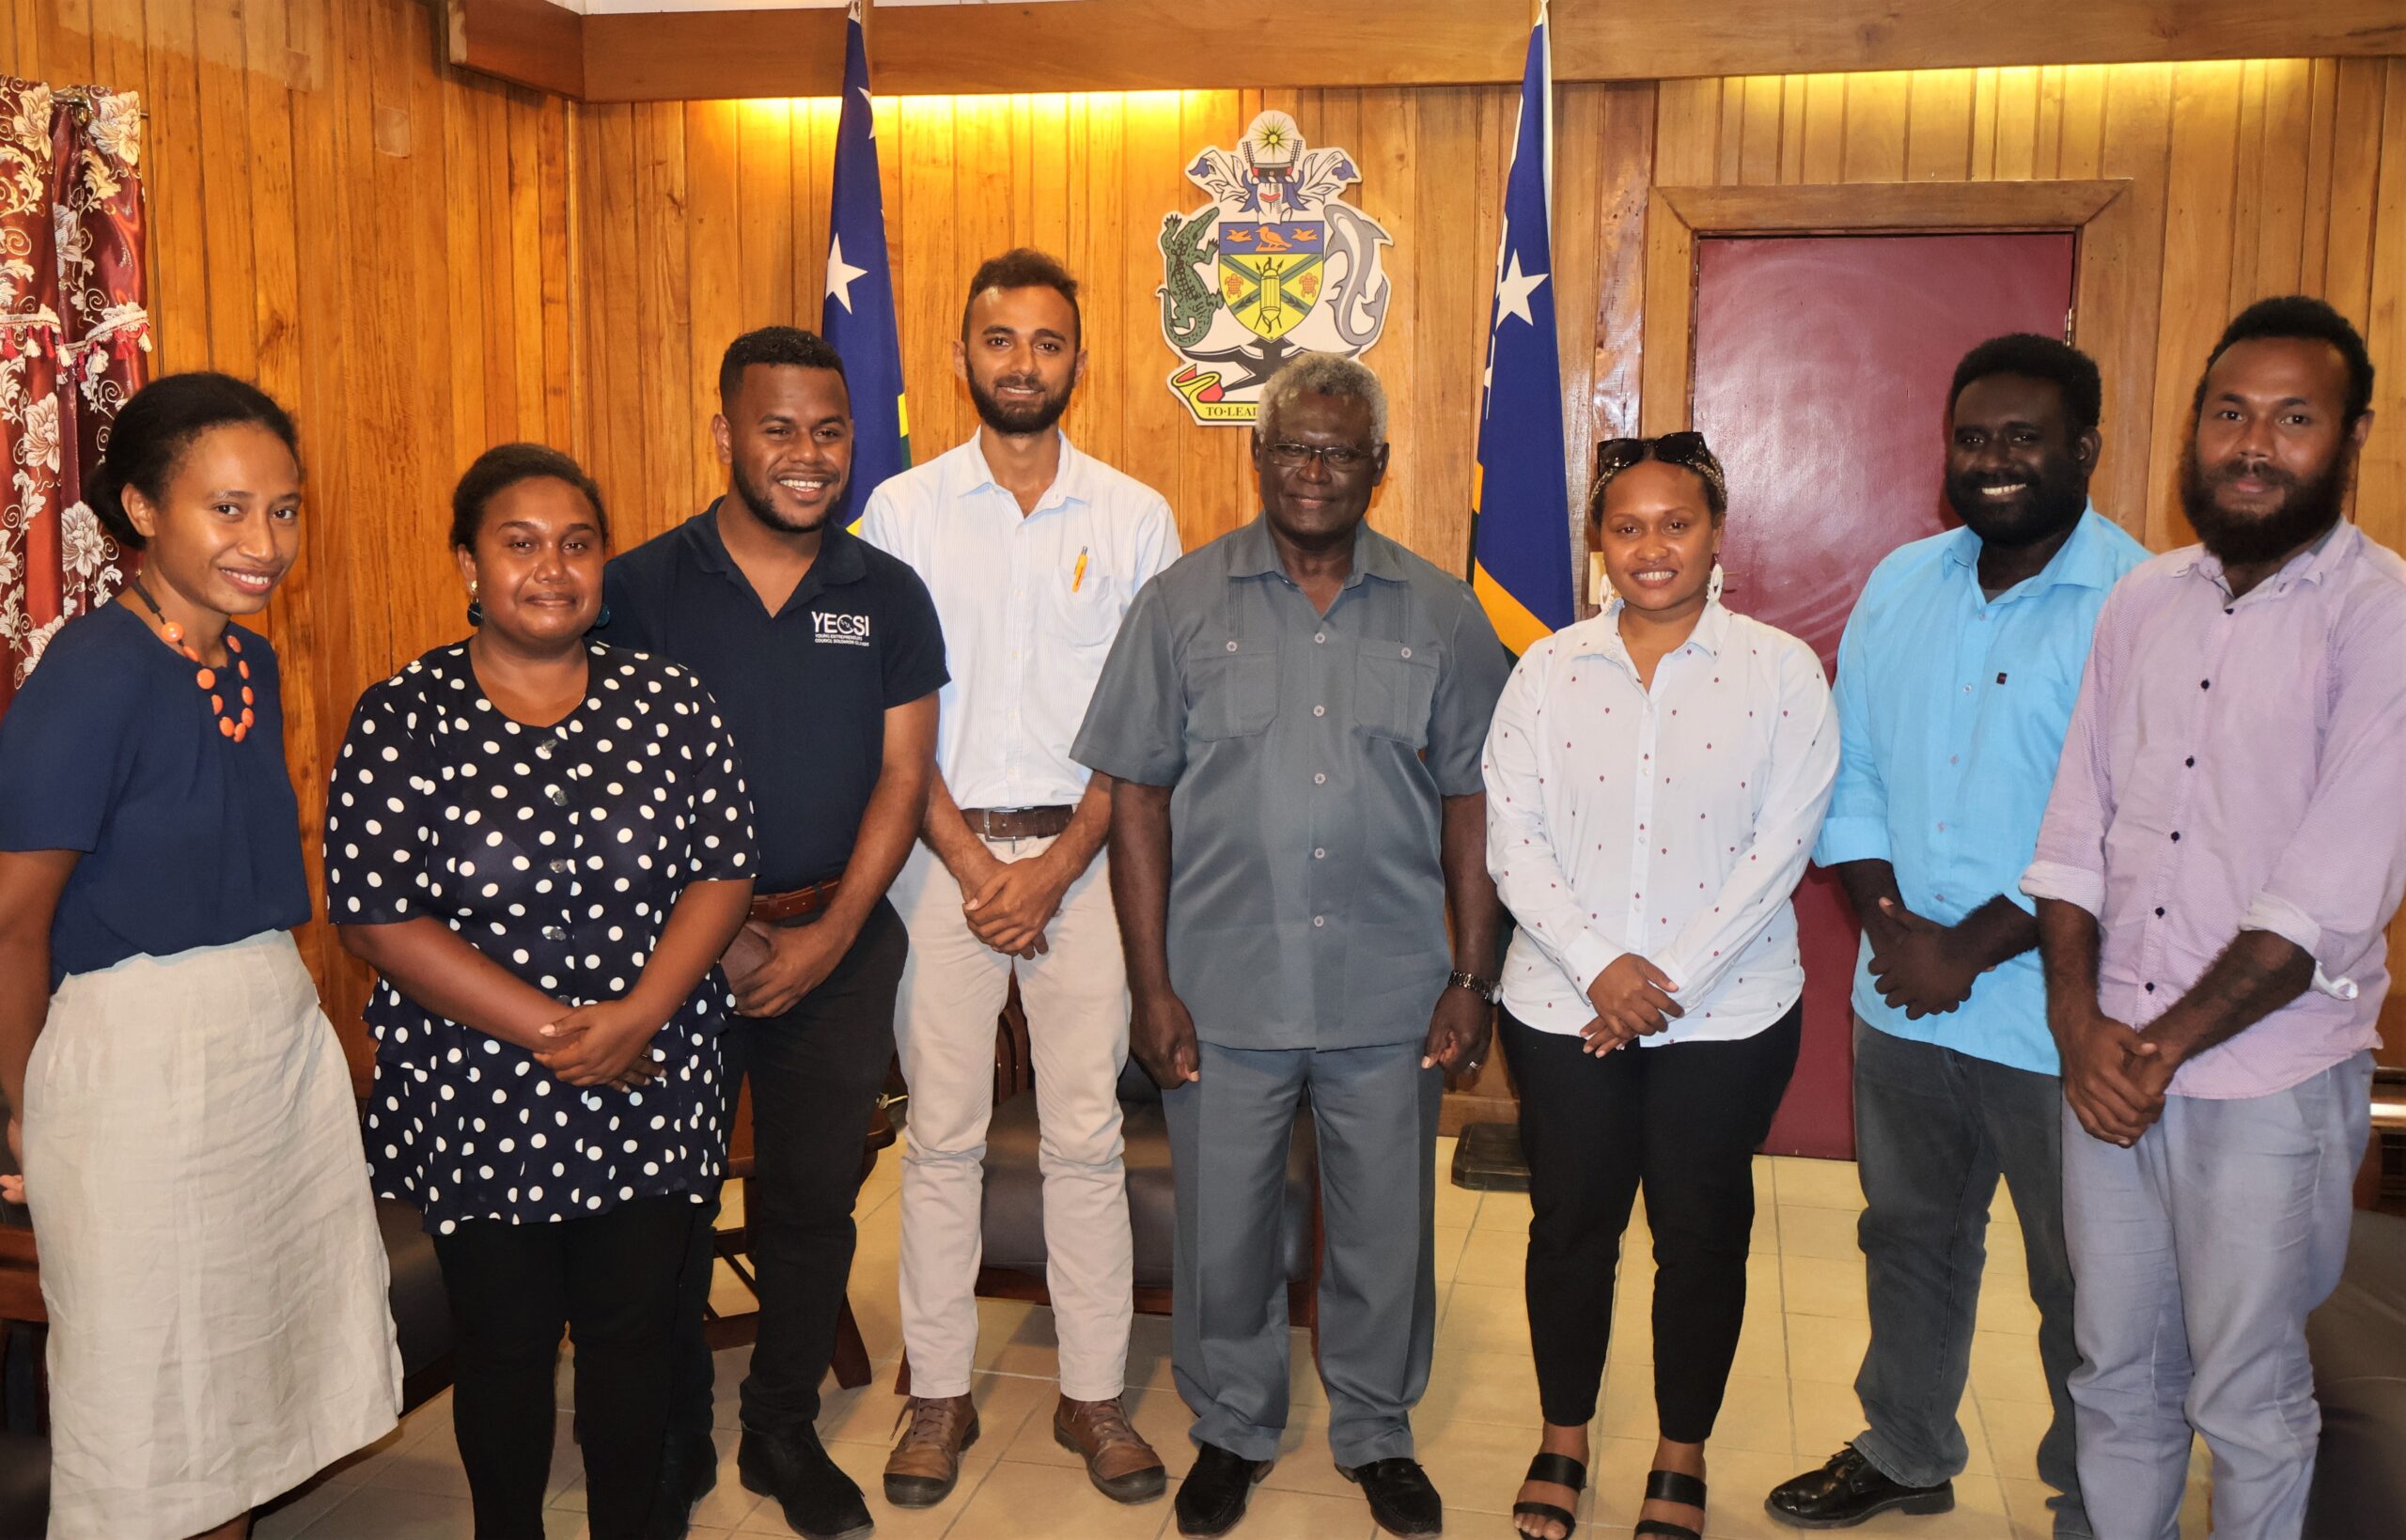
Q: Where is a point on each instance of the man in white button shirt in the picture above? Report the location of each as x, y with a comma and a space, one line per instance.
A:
1033, 552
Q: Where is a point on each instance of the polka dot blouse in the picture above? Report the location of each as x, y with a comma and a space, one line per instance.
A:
558, 852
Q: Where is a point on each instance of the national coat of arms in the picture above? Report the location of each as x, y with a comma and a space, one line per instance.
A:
1276, 264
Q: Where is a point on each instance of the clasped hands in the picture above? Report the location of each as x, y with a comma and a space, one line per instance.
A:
2114, 1080
1920, 966
1009, 903
1633, 999
602, 1044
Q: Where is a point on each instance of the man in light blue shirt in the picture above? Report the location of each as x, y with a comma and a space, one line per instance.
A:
1955, 687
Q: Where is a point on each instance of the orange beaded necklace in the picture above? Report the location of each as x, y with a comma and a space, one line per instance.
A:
235, 727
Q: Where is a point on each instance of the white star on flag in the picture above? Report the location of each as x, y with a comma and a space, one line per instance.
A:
1512, 294
840, 274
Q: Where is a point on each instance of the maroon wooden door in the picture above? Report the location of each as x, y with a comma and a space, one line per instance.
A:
1821, 366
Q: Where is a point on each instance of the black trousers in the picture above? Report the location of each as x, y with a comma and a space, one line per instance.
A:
816, 1072
611, 1280
1682, 1121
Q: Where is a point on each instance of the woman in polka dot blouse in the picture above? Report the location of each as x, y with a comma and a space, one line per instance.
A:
543, 844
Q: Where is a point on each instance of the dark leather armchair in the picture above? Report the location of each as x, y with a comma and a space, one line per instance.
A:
2357, 1340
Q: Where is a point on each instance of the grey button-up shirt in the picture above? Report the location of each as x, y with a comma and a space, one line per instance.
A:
1309, 754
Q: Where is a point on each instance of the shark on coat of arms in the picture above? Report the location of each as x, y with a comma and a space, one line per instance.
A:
1278, 263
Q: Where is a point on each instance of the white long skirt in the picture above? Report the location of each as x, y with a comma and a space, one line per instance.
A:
216, 1286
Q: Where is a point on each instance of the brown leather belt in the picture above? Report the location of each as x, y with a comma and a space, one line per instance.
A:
1017, 822
800, 903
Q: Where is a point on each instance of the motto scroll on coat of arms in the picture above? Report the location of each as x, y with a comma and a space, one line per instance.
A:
1274, 265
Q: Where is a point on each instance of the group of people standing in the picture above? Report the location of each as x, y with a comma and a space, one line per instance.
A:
767, 800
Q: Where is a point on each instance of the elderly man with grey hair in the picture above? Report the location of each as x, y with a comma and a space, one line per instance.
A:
1292, 718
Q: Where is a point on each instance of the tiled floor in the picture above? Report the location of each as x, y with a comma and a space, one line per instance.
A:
1789, 1405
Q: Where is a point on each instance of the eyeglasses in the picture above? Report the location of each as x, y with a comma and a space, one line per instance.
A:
1338, 457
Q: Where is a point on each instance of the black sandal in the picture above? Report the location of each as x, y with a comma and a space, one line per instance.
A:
1670, 1486
1560, 1471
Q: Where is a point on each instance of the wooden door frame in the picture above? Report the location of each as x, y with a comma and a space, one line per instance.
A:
2117, 258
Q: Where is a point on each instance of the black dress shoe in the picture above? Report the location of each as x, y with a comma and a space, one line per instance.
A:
1217, 1486
688, 1471
821, 1503
1402, 1498
1848, 1491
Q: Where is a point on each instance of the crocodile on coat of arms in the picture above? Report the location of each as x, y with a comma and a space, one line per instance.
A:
1187, 300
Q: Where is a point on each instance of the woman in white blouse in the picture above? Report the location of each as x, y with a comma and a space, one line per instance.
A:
1655, 779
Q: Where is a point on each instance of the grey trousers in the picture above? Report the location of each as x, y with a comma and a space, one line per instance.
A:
1933, 1131
1375, 1113
2200, 1252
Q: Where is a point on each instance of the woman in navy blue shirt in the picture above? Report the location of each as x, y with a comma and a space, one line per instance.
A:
211, 1263
543, 844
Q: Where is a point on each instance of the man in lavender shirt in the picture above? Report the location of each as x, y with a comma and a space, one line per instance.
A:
2225, 843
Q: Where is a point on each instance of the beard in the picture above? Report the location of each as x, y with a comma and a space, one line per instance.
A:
2052, 502
1022, 419
2308, 507
760, 498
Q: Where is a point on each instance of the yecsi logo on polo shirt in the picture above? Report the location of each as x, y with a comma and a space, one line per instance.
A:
850, 631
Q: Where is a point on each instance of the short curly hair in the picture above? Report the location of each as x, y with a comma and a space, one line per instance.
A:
2307, 319
2032, 356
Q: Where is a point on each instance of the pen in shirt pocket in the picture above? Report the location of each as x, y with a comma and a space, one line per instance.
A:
1078, 573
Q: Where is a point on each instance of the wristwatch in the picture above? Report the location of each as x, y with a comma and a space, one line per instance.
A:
1486, 988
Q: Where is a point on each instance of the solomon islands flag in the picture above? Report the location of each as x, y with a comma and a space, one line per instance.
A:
1520, 506
857, 315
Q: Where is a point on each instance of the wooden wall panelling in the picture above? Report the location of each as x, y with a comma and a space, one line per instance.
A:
1108, 45
2380, 490
533, 43
2119, 274
2195, 285
1624, 174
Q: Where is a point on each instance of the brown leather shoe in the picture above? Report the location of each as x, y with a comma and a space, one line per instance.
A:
1121, 1465
926, 1462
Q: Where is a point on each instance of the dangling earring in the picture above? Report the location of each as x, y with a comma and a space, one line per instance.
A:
602, 621
475, 610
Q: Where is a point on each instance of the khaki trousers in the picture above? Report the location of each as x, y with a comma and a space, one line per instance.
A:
1076, 999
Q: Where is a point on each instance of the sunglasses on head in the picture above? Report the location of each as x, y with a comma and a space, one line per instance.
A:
1685, 447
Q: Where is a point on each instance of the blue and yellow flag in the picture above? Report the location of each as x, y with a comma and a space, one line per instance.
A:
1520, 506
857, 315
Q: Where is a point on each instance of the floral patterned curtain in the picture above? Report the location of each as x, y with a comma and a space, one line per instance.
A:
72, 336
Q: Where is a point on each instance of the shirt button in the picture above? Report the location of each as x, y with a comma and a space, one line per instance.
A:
2150, 988
1320, 920
1407, 652
543, 749
1954, 759
2159, 911
1319, 853
562, 863
2205, 684
2191, 762
1232, 646
1319, 778
2175, 836
1320, 710
559, 798
555, 933
1319, 636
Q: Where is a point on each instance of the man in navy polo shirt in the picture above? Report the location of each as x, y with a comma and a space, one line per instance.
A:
824, 655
